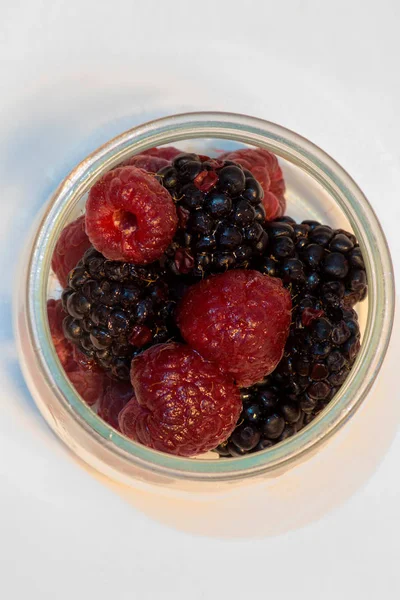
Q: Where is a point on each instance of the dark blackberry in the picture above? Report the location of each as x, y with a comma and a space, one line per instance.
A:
319, 353
253, 413
222, 223
314, 258
116, 309
324, 346
246, 437
273, 426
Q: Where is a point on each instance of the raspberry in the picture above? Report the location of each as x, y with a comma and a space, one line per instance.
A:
82, 371
130, 216
149, 163
71, 246
265, 168
166, 152
152, 160
63, 347
184, 404
86, 377
56, 316
117, 395
64, 351
239, 319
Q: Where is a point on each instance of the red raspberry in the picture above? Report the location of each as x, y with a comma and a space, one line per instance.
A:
152, 160
82, 371
63, 347
167, 152
86, 377
265, 168
239, 319
71, 246
149, 163
184, 404
56, 316
64, 353
130, 216
115, 397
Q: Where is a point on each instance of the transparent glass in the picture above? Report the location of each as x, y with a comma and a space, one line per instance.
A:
317, 187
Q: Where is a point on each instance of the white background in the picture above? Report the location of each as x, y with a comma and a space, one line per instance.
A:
72, 75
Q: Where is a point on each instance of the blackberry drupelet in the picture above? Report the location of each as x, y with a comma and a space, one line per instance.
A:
115, 310
221, 215
314, 258
323, 343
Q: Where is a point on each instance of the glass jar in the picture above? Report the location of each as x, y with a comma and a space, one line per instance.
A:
317, 187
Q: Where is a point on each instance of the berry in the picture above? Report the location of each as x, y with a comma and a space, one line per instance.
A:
165, 152
152, 160
149, 163
322, 234
71, 246
314, 258
82, 371
341, 243
335, 266
315, 352
282, 247
86, 377
246, 437
310, 224
252, 413
219, 208
290, 411
319, 353
357, 280
56, 316
115, 310
265, 168
183, 403
218, 204
240, 320
312, 255
130, 216
273, 426
231, 180
267, 399
116, 396
356, 259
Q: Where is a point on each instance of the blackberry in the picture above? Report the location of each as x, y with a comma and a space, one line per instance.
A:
116, 309
323, 343
321, 349
314, 258
221, 215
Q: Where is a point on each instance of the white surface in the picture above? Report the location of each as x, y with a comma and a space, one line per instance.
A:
72, 75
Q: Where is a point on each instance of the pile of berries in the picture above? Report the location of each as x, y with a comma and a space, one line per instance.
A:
195, 315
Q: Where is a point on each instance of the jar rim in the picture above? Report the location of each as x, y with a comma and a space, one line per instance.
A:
300, 152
